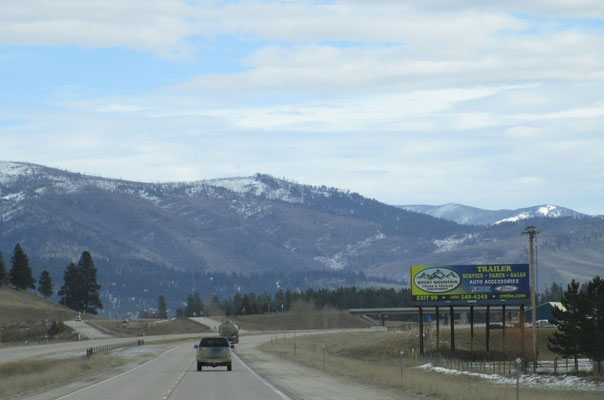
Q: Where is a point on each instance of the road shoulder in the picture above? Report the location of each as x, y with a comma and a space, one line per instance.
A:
301, 382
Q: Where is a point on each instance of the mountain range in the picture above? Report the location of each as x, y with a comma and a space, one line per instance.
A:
467, 215
259, 233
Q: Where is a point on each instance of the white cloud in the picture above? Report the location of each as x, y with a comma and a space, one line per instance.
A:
496, 104
584, 112
166, 27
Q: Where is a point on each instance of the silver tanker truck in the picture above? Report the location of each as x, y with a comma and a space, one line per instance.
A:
229, 330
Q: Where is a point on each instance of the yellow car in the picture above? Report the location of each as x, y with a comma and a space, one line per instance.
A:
214, 352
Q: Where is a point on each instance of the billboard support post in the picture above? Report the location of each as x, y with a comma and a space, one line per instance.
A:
521, 321
488, 326
437, 329
421, 331
452, 329
472, 329
503, 328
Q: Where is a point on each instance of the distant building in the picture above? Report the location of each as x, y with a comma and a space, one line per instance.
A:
544, 311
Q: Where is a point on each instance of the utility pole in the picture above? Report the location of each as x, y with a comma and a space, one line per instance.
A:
532, 232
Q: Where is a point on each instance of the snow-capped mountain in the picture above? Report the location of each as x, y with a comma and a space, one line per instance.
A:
154, 238
240, 225
42, 179
476, 216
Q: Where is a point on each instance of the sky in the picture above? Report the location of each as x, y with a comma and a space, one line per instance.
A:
486, 103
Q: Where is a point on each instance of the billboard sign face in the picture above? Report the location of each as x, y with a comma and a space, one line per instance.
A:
486, 284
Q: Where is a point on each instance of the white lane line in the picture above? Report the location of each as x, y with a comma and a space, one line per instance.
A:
177, 382
267, 383
113, 377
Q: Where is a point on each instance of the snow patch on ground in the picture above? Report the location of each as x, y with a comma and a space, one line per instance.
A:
515, 218
9, 213
250, 185
543, 211
530, 380
451, 242
10, 171
146, 196
281, 190
338, 260
14, 197
247, 210
549, 211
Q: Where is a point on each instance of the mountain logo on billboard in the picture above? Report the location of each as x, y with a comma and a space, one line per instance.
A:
506, 288
437, 280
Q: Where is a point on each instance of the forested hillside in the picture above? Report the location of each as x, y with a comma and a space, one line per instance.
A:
259, 233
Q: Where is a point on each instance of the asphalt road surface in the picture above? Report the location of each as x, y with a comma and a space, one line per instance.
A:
173, 375
10, 354
255, 375
86, 331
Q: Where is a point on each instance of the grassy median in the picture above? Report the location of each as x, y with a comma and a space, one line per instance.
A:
35, 375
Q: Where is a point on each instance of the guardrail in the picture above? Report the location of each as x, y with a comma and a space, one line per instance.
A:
108, 347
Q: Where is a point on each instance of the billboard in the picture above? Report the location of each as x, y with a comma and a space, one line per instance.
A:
484, 284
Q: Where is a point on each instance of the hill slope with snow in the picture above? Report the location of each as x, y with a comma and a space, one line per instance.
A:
467, 215
161, 238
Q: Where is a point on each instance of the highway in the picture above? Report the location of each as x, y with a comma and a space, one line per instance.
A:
256, 375
10, 354
173, 376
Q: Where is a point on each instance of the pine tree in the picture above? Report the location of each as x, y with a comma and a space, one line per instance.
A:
594, 324
280, 300
571, 334
237, 301
289, 297
20, 274
552, 293
162, 309
71, 291
194, 306
45, 284
90, 288
3, 273
246, 306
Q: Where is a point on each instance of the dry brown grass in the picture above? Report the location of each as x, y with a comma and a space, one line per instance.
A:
23, 307
373, 357
27, 316
150, 328
513, 343
17, 377
302, 316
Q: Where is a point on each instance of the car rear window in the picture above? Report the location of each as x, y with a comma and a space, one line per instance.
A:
214, 342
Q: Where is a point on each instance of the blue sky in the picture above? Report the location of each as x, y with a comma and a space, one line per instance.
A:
490, 104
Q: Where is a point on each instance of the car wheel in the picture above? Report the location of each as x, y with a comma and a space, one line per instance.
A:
229, 367
198, 366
